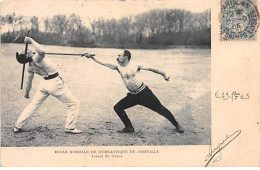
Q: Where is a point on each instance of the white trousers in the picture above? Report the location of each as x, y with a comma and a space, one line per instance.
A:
56, 88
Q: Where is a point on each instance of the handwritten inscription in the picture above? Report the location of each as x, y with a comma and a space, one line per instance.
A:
215, 154
231, 96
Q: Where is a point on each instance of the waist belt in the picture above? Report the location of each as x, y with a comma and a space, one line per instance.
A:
52, 76
141, 88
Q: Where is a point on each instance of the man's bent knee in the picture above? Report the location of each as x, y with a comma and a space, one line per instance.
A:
74, 103
118, 108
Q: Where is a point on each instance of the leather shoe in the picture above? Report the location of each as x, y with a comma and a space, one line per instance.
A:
126, 130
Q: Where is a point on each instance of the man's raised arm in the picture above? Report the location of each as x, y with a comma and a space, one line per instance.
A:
166, 77
113, 67
38, 47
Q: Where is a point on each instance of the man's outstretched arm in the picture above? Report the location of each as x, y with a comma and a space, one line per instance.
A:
113, 67
166, 77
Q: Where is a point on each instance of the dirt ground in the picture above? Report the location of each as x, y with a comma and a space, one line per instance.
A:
187, 95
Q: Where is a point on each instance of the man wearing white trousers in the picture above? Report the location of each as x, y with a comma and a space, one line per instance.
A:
51, 84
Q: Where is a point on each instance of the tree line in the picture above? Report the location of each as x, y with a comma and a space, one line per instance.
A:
157, 28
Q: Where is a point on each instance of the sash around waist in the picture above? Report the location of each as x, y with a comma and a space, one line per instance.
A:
51, 76
141, 88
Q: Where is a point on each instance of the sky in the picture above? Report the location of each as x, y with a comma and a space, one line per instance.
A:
96, 8
90, 10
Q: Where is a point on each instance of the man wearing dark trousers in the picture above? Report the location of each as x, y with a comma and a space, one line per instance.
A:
139, 93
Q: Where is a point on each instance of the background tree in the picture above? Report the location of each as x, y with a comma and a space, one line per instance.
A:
153, 29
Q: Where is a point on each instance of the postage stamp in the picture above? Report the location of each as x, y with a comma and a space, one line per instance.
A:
239, 19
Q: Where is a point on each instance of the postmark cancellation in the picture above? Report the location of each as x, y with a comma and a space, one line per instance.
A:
239, 19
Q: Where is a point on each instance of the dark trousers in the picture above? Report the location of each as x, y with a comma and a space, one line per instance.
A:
145, 98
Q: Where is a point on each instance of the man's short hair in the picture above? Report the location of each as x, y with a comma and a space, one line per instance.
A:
128, 54
20, 57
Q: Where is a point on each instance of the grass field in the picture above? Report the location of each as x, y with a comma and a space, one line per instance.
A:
186, 95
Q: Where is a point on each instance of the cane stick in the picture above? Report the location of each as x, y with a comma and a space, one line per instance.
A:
76, 54
25, 53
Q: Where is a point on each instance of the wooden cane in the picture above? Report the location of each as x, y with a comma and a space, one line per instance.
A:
25, 53
77, 54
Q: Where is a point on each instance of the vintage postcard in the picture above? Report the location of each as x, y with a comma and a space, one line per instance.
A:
119, 83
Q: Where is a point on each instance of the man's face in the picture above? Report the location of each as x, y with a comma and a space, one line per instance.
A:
29, 52
121, 58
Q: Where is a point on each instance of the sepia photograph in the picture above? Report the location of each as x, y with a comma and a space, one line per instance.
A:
118, 77
130, 83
